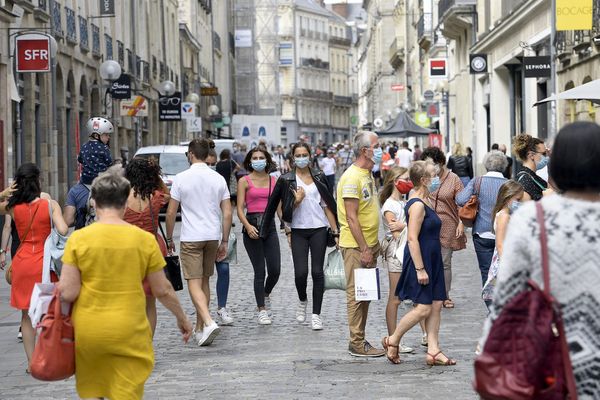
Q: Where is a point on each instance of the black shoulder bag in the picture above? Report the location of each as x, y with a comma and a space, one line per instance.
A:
173, 267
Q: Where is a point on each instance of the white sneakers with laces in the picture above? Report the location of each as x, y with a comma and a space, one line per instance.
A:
301, 311
263, 318
316, 322
224, 316
206, 336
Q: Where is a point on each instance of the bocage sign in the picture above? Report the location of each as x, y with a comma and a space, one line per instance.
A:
537, 67
169, 107
574, 14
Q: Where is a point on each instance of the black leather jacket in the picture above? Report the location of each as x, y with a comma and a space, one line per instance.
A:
284, 192
461, 166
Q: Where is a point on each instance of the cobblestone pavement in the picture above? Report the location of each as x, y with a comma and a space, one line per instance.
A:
287, 359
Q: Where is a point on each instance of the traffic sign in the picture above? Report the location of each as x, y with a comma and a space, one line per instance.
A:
194, 124
33, 53
188, 110
397, 87
136, 107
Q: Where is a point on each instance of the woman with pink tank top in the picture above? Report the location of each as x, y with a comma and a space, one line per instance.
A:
254, 190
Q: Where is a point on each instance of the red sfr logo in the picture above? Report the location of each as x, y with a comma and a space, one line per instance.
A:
33, 53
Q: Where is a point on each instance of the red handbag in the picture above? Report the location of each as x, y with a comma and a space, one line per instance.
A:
468, 212
526, 355
53, 358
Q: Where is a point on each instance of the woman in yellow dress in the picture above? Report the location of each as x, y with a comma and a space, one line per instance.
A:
104, 265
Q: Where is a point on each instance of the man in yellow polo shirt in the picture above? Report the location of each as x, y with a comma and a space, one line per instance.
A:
358, 214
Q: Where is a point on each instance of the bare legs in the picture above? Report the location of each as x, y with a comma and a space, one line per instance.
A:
391, 310
28, 335
151, 312
200, 294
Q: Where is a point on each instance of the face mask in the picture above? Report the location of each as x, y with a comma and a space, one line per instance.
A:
404, 187
346, 147
377, 155
259, 165
213, 167
542, 163
301, 162
434, 185
512, 207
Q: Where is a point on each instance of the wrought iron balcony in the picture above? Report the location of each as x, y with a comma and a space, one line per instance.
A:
316, 94
84, 41
96, 51
424, 29
340, 41
342, 100
315, 63
397, 53
71, 25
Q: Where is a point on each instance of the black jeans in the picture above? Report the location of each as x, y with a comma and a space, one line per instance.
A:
261, 252
331, 182
484, 248
314, 240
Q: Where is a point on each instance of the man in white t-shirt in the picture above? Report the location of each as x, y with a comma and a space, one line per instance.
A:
328, 164
205, 220
404, 156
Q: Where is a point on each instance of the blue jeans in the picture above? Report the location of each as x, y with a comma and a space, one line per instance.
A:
484, 248
222, 282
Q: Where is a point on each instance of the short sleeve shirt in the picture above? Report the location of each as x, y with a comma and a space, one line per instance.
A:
358, 183
396, 207
78, 197
200, 191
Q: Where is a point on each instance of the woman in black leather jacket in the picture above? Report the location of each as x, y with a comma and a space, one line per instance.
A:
308, 209
460, 164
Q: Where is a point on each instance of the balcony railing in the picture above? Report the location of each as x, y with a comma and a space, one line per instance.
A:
424, 27
314, 62
342, 99
316, 94
340, 41
96, 51
84, 41
71, 25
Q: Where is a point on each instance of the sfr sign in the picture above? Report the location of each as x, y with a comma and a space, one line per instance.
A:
33, 53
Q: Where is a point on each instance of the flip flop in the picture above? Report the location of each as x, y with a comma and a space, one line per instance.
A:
448, 303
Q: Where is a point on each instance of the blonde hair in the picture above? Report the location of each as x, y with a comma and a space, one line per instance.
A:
457, 150
418, 171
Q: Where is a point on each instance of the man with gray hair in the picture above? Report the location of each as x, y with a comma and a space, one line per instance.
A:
358, 213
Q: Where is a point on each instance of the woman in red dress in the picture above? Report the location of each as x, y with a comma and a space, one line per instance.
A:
148, 195
32, 219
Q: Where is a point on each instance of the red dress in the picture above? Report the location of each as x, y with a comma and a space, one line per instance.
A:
143, 219
27, 262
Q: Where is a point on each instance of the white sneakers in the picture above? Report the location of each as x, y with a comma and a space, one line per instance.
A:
224, 316
316, 322
206, 336
301, 311
263, 318
405, 349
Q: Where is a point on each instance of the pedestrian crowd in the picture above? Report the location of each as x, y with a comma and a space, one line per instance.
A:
336, 196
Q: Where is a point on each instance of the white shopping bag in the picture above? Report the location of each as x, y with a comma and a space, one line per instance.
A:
366, 284
40, 300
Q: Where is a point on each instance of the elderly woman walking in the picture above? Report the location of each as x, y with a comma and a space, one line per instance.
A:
572, 219
486, 189
104, 265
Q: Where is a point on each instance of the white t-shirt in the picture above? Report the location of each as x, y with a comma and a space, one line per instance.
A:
404, 157
397, 208
200, 190
310, 213
328, 166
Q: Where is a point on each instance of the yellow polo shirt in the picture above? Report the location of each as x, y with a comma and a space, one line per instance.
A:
357, 183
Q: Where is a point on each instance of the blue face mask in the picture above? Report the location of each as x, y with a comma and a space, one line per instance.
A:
514, 206
542, 163
259, 165
377, 155
434, 185
301, 162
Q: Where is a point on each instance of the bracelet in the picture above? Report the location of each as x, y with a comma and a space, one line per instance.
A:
420, 269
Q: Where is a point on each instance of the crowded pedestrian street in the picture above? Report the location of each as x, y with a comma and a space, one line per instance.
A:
285, 359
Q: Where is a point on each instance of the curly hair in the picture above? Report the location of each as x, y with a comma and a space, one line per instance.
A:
523, 144
144, 176
435, 154
27, 183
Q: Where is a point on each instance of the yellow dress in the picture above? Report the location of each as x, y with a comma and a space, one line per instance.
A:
113, 341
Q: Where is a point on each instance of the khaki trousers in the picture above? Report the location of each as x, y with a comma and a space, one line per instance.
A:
357, 310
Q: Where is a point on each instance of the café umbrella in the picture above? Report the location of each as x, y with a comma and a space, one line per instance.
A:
588, 91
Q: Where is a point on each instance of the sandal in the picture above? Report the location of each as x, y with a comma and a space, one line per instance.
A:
394, 359
432, 359
448, 303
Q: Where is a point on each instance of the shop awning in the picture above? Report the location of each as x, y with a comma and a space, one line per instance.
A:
403, 126
588, 91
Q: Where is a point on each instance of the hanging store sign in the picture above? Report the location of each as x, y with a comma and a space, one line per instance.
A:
107, 7
537, 67
435, 140
169, 107
136, 107
33, 53
209, 91
422, 119
478, 63
438, 68
433, 110
397, 87
121, 88
188, 110
572, 15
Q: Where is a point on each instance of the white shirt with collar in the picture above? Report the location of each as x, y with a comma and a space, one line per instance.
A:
200, 191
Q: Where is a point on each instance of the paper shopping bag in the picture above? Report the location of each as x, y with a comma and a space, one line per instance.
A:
40, 300
366, 284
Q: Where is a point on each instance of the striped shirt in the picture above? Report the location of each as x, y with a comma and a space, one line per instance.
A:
488, 194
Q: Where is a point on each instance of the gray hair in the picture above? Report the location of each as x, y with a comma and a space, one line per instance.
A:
495, 161
361, 140
110, 189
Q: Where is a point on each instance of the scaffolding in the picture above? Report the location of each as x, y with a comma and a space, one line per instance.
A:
257, 66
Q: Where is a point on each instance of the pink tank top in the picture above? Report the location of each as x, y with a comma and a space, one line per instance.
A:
257, 198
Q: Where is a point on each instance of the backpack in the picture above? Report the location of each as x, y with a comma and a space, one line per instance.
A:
526, 355
86, 215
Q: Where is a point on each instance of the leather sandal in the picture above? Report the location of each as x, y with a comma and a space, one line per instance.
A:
393, 359
432, 359
448, 303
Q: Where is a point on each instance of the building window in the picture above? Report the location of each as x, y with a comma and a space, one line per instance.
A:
154, 67
71, 25
42, 4
109, 46
96, 41
163, 71
138, 67
129, 60
84, 43
121, 53
57, 18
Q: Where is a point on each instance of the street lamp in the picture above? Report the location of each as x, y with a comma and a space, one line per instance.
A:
110, 71
167, 88
193, 98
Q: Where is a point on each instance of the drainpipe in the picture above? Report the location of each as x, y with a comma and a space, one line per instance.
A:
136, 124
